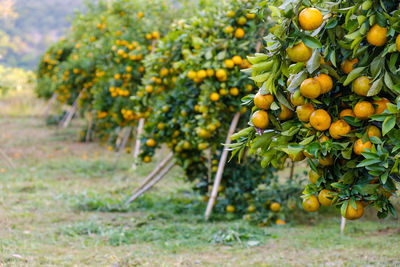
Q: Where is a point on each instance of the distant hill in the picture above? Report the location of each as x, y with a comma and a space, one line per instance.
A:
39, 23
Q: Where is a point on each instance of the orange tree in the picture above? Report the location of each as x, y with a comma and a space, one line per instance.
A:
194, 84
331, 69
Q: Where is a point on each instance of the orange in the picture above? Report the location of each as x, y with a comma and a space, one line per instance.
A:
338, 129
234, 91
280, 222
263, 101
346, 113
320, 120
239, 33
191, 74
326, 161
398, 43
242, 21
373, 131
352, 213
299, 52
361, 85
231, 14
313, 176
297, 100
297, 157
326, 83
304, 112
260, 119
151, 142
285, 113
250, 15
377, 35
310, 88
308, 155
363, 110
237, 60
201, 74
348, 65
325, 197
311, 204
230, 209
221, 73
214, 97
275, 207
210, 72
323, 138
360, 147
381, 105
146, 159
310, 19
229, 64
251, 209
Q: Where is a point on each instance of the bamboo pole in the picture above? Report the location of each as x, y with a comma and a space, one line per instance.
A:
49, 104
137, 146
154, 172
7, 159
221, 166
70, 114
128, 132
89, 131
342, 225
153, 182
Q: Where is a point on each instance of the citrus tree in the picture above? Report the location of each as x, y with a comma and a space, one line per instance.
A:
194, 83
330, 72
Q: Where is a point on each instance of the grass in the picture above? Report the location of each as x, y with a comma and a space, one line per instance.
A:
64, 205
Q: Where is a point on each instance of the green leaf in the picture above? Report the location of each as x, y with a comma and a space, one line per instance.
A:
307, 141
388, 125
311, 42
343, 208
297, 80
353, 75
376, 87
348, 177
314, 62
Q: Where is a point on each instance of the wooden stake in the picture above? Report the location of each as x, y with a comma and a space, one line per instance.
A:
342, 225
128, 132
153, 182
209, 161
89, 131
137, 146
7, 159
49, 104
221, 166
292, 171
70, 114
154, 172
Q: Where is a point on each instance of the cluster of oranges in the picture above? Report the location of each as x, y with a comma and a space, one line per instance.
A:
330, 98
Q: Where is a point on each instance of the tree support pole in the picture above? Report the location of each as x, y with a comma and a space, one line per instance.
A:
128, 132
221, 167
137, 145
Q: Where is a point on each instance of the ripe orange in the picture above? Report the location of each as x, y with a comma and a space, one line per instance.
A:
242, 21
285, 113
297, 157
191, 74
146, 159
210, 72
151, 142
229, 64
310, 88
360, 147
239, 33
354, 214
326, 83
381, 105
374, 131
326, 161
304, 112
310, 19
313, 176
234, 91
230, 209
260, 119
250, 15
325, 197
320, 120
348, 65
299, 52
398, 43
297, 99
362, 85
311, 204
263, 101
346, 113
275, 207
338, 129
214, 97
237, 60
377, 35
363, 110
323, 138
280, 222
